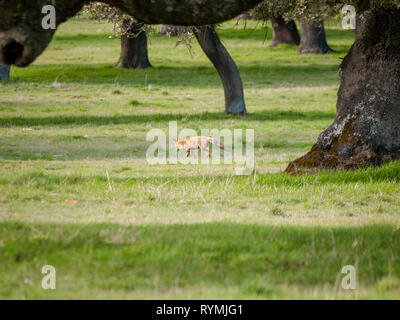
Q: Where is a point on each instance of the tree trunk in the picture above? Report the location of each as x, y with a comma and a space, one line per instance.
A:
183, 12
134, 47
284, 32
4, 71
226, 67
366, 131
313, 38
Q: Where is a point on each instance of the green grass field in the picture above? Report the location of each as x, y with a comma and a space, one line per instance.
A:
77, 193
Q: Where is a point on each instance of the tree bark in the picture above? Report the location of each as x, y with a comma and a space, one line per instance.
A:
183, 12
366, 131
226, 67
134, 47
313, 38
284, 32
4, 71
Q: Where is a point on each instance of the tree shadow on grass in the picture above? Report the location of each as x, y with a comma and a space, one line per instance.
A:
266, 115
200, 76
261, 33
255, 259
389, 173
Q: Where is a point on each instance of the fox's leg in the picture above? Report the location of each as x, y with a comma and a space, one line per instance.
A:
207, 150
189, 152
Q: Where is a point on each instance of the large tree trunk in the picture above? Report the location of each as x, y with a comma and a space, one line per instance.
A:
284, 32
183, 12
4, 71
366, 131
226, 67
134, 47
313, 38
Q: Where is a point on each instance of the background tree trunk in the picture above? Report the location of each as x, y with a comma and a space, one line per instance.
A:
313, 38
366, 130
4, 71
226, 67
245, 16
134, 47
284, 32
172, 31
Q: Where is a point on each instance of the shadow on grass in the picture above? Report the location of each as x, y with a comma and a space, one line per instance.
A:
389, 173
103, 148
201, 76
261, 33
255, 259
257, 33
267, 115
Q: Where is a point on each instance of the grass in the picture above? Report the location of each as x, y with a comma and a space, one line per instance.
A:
197, 260
76, 191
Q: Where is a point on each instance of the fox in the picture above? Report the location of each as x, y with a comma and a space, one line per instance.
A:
199, 142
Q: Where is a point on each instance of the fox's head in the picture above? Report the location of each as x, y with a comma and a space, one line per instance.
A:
180, 144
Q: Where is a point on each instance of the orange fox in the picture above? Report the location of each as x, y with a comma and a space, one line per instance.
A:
195, 143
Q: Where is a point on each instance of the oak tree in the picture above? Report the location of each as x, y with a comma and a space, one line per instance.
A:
365, 131
133, 35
